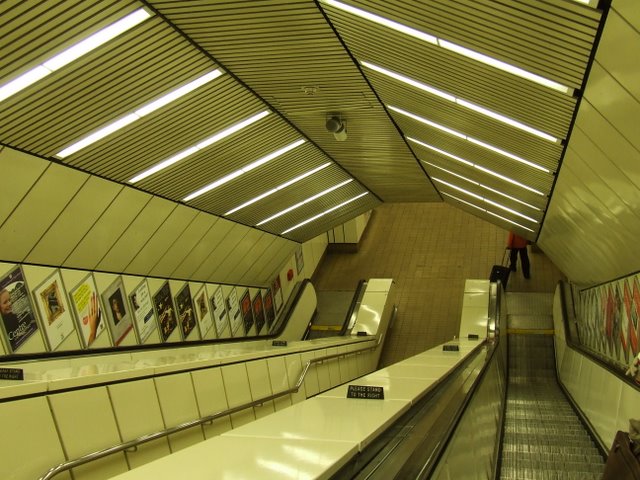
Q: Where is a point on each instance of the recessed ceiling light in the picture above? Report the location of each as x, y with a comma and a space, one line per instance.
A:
205, 143
248, 168
450, 46
303, 202
139, 113
459, 101
72, 53
278, 188
475, 165
466, 137
315, 217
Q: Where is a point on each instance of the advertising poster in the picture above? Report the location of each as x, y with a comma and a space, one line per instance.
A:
258, 312
245, 308
165, 312
269, 312
54, 311
234, 312
186, 315
277, 294
143, 311
86, 304
18, 317
203, 312
118, 317
219, 311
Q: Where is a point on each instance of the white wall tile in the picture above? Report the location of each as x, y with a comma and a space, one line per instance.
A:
107, 229
211, 399
137, 234
260, 384
137, 412
26, 454
38, 209
74, 222
236, 384
86, 423
178, 404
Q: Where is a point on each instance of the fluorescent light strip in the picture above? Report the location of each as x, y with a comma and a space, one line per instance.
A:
470, 139
505, 67
141, 112
486, 200
487, 211
248, 168
475, 165
459, 101
497, 192
205, 143
278, 188
450, 46
383, 21
299, 204
72, 53
315, 217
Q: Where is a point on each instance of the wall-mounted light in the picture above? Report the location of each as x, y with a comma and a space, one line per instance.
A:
336, 125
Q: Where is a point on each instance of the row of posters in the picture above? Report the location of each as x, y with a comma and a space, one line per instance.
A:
91, 313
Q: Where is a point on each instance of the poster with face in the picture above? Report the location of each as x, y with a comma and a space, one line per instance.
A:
220, 311
86, 304
16, 312
165, 311
235, 316
186, 315
203, 312
118, 316
142, 308
50, 299
258, 312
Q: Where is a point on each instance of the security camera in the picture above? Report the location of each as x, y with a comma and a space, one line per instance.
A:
338, 127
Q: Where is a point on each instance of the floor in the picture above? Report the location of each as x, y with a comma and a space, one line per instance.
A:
429, 250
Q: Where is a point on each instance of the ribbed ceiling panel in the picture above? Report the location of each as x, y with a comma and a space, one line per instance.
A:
293, 63
287, 53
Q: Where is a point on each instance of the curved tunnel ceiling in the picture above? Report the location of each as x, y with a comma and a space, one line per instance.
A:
426, 119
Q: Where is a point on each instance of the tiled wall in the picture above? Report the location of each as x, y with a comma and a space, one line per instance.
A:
607, 401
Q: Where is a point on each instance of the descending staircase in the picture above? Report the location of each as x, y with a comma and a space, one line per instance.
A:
543, 437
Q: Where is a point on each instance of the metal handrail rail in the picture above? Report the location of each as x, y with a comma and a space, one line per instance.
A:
133, 444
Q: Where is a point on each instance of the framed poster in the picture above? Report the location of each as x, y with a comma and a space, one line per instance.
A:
269, 312
18, 317
234, 312
245, 308
56, 317
186, 315
258, 312
143, 311
118, 317
277, 294
86, 304
202, 311
219, 311
164, 310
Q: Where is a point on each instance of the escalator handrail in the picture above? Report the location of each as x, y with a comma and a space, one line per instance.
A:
132, 444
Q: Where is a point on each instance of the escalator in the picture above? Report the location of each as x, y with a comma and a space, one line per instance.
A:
542, 436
